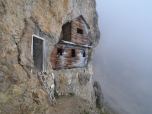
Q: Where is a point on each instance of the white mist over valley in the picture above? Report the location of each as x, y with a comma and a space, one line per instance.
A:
123, 59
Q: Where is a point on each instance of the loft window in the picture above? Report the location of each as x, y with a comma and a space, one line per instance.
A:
84, 54
80, 31
73, 52
59, 53
38, 52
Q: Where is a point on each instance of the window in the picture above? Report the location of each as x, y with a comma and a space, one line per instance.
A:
38, 52
59, 52
80, 31
73, 52
84, 54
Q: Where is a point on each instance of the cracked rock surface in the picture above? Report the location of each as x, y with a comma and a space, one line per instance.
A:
20, 89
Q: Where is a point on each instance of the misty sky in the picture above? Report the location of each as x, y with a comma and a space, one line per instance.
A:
123, 59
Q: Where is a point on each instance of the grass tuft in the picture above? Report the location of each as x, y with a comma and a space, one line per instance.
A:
71, 94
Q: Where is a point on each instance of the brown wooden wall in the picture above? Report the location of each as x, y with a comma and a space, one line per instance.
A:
67, 32
66, 60
70, 32
80, 39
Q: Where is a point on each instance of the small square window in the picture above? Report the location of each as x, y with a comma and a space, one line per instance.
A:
73, 52
59, 53
80, 31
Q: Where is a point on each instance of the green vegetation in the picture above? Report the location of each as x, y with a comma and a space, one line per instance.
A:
71, 94
99, 109
56, 95
43, 109
80, 106
91, 108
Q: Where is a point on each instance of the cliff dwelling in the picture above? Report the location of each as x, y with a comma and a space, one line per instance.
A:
72, 49
47, 49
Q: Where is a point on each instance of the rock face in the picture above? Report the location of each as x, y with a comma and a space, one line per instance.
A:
20, 87
98, 94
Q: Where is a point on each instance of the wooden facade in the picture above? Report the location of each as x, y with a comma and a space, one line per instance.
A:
72, 48
66, 60
71, 31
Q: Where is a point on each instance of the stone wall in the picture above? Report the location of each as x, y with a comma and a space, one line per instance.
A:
20, 89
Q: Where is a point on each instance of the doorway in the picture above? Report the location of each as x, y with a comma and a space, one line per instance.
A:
38, 52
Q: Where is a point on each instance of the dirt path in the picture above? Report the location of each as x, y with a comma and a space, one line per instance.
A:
71, 105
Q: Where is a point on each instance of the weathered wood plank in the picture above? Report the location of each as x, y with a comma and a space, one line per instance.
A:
73, 31
53, 59
67, 36
58, 46
73, 35
53, 55
81, 40
81, 35
68, 27
66, 32
78, 21
75, 28
77, 25
67, 39
54, 52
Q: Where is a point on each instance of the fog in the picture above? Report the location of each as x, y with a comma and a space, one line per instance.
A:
123, 59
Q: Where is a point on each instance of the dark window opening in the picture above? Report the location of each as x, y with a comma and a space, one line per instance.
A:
73, 52
80, 31
84, 54
59, 53
38, 52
